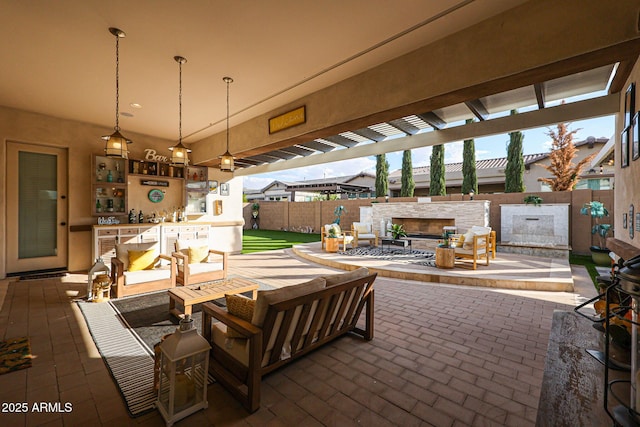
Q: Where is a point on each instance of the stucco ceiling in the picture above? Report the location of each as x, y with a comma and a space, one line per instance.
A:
59, 57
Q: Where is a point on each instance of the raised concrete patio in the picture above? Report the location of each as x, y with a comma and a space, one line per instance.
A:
507, 271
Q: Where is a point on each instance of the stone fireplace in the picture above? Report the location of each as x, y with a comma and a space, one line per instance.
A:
425, 220
424, 227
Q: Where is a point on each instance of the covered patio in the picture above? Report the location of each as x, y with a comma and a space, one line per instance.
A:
442, 355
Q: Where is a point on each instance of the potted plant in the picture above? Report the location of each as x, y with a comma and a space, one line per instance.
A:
600, 253
535, 200
397, 231
255, 208
446, 241
332, 239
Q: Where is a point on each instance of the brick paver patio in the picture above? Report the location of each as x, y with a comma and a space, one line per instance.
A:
443, 355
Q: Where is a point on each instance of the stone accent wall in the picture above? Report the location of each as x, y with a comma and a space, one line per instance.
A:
465, 213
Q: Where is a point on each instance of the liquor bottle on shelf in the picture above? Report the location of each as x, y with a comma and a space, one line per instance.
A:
98, 206
132, 217
109, 176
140, 217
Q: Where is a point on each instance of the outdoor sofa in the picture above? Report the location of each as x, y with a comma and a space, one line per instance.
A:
285, 324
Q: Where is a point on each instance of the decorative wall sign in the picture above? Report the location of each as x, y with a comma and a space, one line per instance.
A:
156, 196
629, 104
288, 119
217, 207
624, 147
224, 189
154, 183
635, 137
631, 216
213, 187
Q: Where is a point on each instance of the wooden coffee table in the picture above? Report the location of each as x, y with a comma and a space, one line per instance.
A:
187, 296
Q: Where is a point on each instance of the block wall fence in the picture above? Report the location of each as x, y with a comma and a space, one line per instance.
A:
308, 217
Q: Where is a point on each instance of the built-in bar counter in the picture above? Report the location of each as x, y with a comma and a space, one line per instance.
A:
221, 235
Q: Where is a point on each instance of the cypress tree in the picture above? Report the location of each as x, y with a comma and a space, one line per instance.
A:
408, 185
469, 176
382, 175
514, 172
437, 187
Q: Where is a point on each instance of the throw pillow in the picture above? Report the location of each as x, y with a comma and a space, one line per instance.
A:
460, 241
241, 307
142, 260
362, 228
468, 240
198, 254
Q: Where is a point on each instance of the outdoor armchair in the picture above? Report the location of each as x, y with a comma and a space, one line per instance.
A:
344, 237
197, 263
140, 267
364, 231
475, 244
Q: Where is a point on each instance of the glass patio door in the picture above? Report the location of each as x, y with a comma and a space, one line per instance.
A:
36, 208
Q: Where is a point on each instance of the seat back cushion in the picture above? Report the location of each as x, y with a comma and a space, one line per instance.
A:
183, 245
336, 227
274, 296
336, 279
480, 231
122, 251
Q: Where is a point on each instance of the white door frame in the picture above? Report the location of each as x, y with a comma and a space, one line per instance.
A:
60, 260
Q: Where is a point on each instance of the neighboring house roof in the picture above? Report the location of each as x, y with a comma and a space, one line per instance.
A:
497, 163
318, 185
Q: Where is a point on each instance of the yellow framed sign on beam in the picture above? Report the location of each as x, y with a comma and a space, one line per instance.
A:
288, 119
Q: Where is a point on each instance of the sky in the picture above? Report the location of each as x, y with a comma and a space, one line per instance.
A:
535, 141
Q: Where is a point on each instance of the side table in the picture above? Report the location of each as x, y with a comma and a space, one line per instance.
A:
445, 257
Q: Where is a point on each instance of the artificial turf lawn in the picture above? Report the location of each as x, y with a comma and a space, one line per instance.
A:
269, 240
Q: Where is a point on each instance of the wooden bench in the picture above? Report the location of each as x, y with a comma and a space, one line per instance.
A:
191, 295
287, 323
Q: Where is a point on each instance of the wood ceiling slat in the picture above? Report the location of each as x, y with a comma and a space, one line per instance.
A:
539, 90
341, 140
404, 126
317, 146
370, 134
297, 150
478, 109
281, 154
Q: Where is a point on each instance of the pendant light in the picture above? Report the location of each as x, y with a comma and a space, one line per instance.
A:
180, 156
226, 160
116, 145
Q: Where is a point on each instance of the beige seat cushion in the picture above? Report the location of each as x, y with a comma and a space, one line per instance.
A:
142, 276
203, 267
336, 279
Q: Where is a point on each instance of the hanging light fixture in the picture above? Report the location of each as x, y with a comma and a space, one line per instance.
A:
226, 160
116, 145
180, 154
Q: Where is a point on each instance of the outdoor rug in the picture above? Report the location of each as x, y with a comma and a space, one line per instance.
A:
125, 331
15, 354
414, 256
